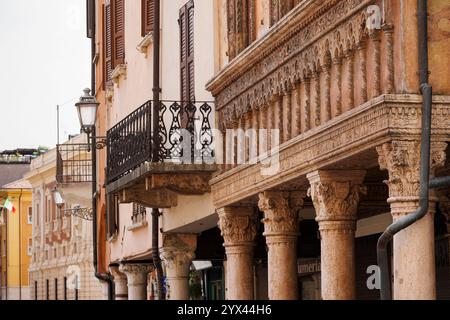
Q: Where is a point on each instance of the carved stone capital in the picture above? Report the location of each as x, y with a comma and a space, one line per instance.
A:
281, 211
117, 274
136, 273
402, 161
335, 194
177, 252
238, 225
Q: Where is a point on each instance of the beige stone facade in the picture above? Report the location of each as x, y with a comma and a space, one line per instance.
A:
61, 266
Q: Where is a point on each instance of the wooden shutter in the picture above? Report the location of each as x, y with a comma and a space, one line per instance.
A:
118, 31
107, 33
147, 16
187, 69
112, 215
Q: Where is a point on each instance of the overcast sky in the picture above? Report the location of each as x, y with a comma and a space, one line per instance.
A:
44, 61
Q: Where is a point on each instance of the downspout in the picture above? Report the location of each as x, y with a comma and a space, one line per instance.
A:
155, 149
1, 255
6, 258
20, 245
106, 277
427, 93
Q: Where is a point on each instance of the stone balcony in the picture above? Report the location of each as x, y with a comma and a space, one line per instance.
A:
319, 90
176, 158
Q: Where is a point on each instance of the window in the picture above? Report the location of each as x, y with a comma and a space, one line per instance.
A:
112, 215
147, 17
4, 248
65, 288
186, 22
118, 28
30, 215
241, 25
56, 289
114, 34
279, 8
107, 41
49, 210
30, 246
37, 214
47, 289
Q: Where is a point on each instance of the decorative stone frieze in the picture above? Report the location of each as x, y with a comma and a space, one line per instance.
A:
360, 131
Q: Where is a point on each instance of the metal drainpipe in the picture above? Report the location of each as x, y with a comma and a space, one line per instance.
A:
156, 101
106, 277
101, 276
427, 93
20, 245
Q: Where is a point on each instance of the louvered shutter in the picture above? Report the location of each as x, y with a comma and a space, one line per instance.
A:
118, 23
112, 215
187, 71
147, 16
107, 42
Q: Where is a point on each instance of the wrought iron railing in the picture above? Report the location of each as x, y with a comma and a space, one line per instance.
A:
183, 135
73, 163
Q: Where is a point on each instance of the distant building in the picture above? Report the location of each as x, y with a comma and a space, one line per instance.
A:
16, 241
61, 266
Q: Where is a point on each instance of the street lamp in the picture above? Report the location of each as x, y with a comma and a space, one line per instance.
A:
87, 111
87, 114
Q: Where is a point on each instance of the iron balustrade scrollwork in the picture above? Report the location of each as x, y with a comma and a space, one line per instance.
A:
184, 135
83, 213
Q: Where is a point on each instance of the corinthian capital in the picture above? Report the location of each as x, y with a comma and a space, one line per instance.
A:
281, 211
402, 161
178, 251
335, 194
238, 225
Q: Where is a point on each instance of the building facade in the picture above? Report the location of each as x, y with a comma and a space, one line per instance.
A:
282, 186
62, 260
16, 241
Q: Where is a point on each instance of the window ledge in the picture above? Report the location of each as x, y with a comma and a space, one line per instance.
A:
145, 42
120, 70
137, 225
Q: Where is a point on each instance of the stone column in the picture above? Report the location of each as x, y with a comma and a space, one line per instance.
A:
238, 226
281, 231
413, 267
177, 252
120, 283
137, 279
335, 195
